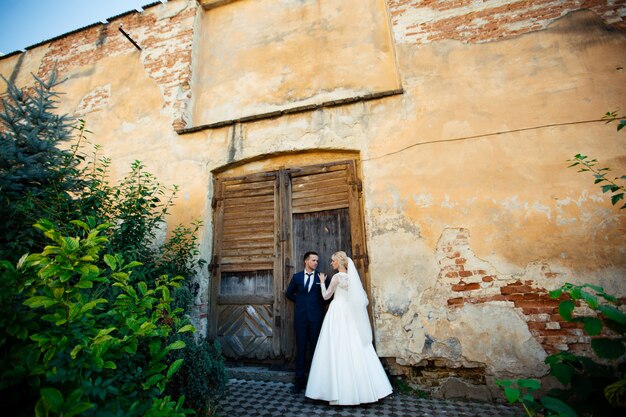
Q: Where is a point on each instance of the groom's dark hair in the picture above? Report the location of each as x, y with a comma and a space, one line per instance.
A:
309, 253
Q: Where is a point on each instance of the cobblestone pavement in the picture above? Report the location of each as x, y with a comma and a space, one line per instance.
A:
262, 398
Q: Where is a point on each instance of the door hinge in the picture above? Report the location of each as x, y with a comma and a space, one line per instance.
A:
358, 184
364, 257
214, 264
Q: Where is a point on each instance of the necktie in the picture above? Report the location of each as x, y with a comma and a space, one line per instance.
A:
306, 281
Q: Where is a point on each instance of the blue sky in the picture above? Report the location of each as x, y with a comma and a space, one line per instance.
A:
27, 22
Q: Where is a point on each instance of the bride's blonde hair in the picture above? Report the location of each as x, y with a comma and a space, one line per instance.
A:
342, 258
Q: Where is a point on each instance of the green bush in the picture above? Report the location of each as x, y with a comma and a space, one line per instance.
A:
120, 277
202, 378
83, 354
591, 387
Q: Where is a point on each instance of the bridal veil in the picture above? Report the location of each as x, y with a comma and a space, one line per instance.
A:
358, 304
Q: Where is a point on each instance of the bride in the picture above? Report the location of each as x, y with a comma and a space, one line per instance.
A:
345, 368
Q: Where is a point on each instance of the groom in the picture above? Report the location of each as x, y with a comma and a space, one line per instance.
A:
304, 290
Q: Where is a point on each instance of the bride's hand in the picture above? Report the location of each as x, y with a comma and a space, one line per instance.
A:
322, 277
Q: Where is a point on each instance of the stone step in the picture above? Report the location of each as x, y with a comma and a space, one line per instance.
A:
258, 373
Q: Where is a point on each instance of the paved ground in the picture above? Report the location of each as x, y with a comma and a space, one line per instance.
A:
262, 398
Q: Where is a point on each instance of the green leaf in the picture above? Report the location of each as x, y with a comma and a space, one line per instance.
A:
565, 309
608, 348
146, 328
40, 409
88, 270
556, 293
81, 224
179, 344
616, 197
607, 188
77, 409
612, 313
187, 328
143, 288
75, 351
70, 244
504, 382
554, 404
529, 383
83, 283
58, 293
596, 288
152, 380
53, 398
105, 332
174, 367
614, 393
131, 347
593, 326
93, 303
110, 261
511, 394
130, 265
590, 299
40, 301
562, 372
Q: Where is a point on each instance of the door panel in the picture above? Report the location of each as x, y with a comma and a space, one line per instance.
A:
246, 331
244, 266
324, 232
317, 191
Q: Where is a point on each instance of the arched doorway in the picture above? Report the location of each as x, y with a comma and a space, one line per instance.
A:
264, 222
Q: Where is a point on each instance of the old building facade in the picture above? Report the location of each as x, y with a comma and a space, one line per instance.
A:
428, 138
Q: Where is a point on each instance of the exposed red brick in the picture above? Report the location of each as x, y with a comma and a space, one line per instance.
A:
515, 289
455, 301
469, 21
466, 287
536, 325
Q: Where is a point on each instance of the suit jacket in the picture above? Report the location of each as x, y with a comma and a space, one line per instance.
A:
309, 304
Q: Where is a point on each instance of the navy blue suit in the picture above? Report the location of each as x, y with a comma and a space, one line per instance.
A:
308, 318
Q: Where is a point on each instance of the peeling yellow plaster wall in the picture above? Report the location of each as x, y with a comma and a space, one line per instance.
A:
261, 56
21, 67
512, 190
132, 126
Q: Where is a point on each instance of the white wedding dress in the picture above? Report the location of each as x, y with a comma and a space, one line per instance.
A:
345, 368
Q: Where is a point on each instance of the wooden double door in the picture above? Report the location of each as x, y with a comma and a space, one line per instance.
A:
264, 223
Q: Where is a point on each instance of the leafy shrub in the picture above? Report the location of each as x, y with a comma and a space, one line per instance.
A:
122, 273
202, 378
592, 387
81, 356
